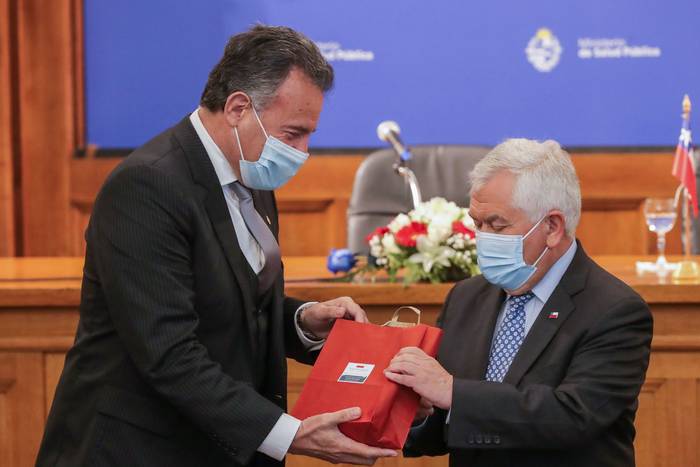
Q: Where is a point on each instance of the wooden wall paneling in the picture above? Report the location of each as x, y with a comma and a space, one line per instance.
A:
611, 228
6, 383
50, 97
21, 408
675, 408
648, 431
613, 187
53, 366
86, 177
305, 225
38, 317
313, 205
78, 66
8, 152
681, 421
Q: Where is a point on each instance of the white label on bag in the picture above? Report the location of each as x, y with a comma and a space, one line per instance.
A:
356, 373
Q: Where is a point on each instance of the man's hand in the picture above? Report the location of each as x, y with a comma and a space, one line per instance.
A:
425, 410
414, 368
318, 319
319, 437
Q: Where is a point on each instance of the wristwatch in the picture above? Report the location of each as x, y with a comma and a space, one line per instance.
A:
308, 334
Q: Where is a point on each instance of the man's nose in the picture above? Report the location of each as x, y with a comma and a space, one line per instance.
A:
303, 144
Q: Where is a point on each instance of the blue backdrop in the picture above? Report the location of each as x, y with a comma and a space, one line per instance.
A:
587, 73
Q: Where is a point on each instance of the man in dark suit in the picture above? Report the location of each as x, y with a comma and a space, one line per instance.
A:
544, 355
179, 358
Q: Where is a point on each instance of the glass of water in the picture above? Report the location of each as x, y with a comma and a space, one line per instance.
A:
660, 214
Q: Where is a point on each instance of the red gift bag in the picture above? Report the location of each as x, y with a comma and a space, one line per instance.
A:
349, 372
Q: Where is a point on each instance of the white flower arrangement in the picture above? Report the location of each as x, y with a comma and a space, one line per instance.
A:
434, 242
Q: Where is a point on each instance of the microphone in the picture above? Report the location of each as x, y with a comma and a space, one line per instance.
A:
389, 131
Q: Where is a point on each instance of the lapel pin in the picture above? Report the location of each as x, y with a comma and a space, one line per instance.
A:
553, 315
269, 222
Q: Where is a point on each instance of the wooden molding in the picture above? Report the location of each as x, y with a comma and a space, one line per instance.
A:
49, 118
6, 384
678, 343
652, 385
36, 344
8, 152
21, 407
611, 204
34, 339
82, 204
319, 196
303, 205
31, 297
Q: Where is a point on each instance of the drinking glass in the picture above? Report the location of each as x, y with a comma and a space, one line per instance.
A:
660, 214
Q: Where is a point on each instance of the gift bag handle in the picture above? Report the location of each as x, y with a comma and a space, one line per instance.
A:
394, 321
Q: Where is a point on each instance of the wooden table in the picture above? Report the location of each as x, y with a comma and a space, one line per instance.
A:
39, 299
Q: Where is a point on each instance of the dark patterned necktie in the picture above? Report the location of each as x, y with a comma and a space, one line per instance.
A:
262, 234
509, 338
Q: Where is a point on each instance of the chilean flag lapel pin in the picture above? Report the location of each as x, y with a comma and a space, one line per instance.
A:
553, 315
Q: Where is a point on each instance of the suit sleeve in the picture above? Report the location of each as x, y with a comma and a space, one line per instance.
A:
293, 345
140, 234
428, 438
603, 378
294, 348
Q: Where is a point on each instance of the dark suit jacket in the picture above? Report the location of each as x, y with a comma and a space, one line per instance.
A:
570, 395
169, 366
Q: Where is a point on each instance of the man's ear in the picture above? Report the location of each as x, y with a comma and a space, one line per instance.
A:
235, 107
556, 228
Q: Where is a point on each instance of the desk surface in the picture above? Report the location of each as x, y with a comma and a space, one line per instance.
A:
39, 300
31, 281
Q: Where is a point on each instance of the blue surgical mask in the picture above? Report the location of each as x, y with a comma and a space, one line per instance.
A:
277, 164
501, 259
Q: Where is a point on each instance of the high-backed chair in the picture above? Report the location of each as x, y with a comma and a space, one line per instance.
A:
379, 193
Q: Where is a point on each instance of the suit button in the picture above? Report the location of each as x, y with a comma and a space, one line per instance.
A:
479, 439
487, 439
496, 439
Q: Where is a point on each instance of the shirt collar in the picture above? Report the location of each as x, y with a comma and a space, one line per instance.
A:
222, 167
545, 287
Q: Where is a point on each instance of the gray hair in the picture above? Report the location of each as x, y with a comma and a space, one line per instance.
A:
545, 178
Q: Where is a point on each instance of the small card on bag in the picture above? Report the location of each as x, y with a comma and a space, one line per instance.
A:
356, 373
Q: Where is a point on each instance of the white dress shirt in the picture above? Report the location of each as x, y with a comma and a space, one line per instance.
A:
277, 442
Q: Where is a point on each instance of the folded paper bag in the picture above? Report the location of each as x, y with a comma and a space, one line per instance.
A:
349, 372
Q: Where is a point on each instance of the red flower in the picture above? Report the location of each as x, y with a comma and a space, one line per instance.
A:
379, 231
407, 235
459, 227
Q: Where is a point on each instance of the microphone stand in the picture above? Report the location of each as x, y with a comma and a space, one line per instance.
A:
388, 131
410, 179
